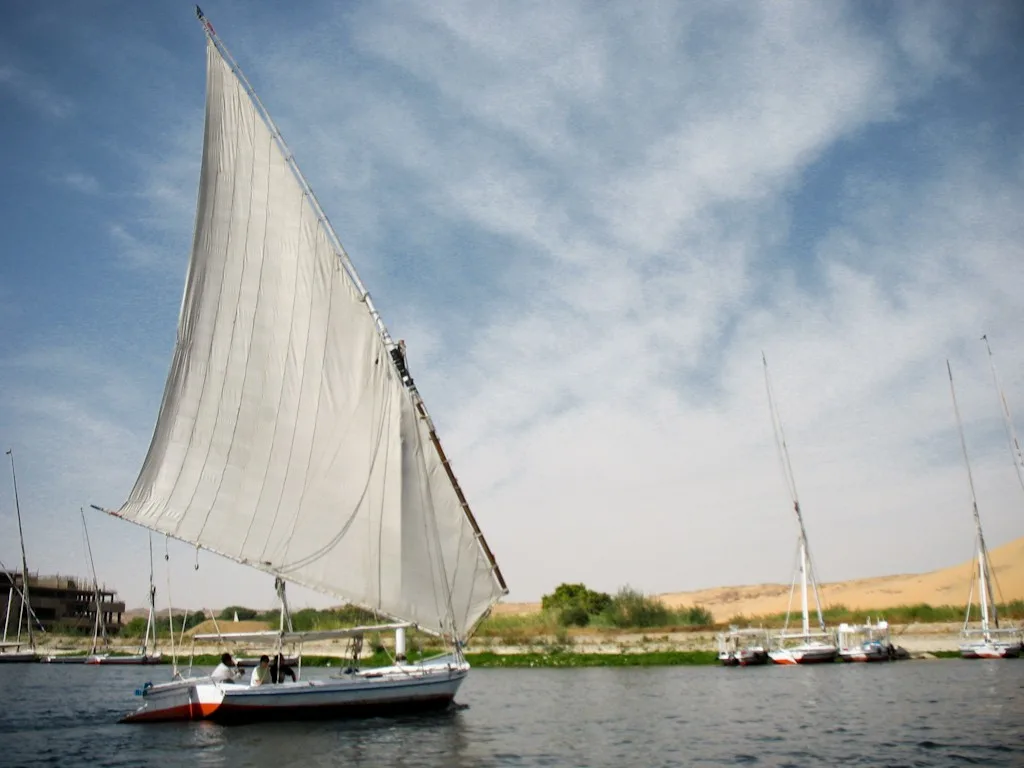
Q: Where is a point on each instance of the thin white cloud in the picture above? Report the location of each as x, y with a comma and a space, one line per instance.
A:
33, 91
133, 250
81, 182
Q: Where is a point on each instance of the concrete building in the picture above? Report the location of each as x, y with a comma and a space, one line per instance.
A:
60, 603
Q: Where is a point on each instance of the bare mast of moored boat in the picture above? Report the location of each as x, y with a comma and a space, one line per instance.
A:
1016, 454
27, 603
99, 625
981, 551
989, 646
806, 571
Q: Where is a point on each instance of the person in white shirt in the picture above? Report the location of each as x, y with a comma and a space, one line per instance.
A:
227, 671
261, 673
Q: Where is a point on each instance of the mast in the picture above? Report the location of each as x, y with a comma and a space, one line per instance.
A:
803, 585
150, 621
787, 470
984, 581
24, 561
396, 351
1016, 454
98, 624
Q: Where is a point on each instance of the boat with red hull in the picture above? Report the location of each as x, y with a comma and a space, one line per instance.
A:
295, 442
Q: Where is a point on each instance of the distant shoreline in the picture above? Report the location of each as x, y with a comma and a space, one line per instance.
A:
536, 660
578, 648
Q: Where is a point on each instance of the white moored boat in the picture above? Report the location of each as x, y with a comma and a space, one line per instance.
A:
292, 439
867, 642
803, 646
745, 647
987, 640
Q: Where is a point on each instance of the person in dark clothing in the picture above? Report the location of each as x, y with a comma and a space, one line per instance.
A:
279, 670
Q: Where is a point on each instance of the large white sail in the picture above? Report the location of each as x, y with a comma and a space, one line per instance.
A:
286, 438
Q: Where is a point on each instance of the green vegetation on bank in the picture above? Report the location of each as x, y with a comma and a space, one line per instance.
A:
574, 605
556, 657
922, 613
561, 658
570, 611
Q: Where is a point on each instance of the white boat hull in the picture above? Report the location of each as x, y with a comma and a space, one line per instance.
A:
804, 654
136, 659
378, 692
745, 657
871, 652
63, 659
990, 650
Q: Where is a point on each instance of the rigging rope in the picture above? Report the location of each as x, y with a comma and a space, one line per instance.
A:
170, 605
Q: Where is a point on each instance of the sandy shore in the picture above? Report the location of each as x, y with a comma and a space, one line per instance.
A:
949, 586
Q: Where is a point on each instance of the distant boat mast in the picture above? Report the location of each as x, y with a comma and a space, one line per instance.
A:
985, 584
1011, 433
787, 471
24, 560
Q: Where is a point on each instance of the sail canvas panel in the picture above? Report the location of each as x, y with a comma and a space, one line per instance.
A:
286, 439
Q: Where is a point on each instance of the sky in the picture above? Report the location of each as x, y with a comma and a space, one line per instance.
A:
587, 221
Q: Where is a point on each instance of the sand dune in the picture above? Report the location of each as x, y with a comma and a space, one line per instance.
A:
949, 586
208, 627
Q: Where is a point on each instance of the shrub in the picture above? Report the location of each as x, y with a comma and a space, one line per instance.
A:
696, 616
631, 608
574, 604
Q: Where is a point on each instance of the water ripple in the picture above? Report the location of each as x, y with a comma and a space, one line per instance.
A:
910, 714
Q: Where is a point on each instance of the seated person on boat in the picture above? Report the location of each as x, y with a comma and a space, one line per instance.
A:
261, 672
279, 670
227, 671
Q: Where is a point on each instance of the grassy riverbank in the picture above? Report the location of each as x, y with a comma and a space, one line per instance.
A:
556, 658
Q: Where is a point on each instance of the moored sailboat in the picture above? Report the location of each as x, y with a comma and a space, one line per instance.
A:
11, 644
803, 646
147, 653
11, 651
292, 439
987, 640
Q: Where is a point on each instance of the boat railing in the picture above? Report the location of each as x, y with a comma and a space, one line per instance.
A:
1002, 633
856, 635
780, 638
737, 638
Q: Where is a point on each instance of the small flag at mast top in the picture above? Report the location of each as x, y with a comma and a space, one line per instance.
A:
205, 22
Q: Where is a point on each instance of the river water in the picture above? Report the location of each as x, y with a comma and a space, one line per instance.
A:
915, 713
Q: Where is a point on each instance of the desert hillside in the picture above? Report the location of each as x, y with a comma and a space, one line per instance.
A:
948, 586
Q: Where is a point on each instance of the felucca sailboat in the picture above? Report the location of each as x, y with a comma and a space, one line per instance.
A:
987, 640
292, 439
805, 646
